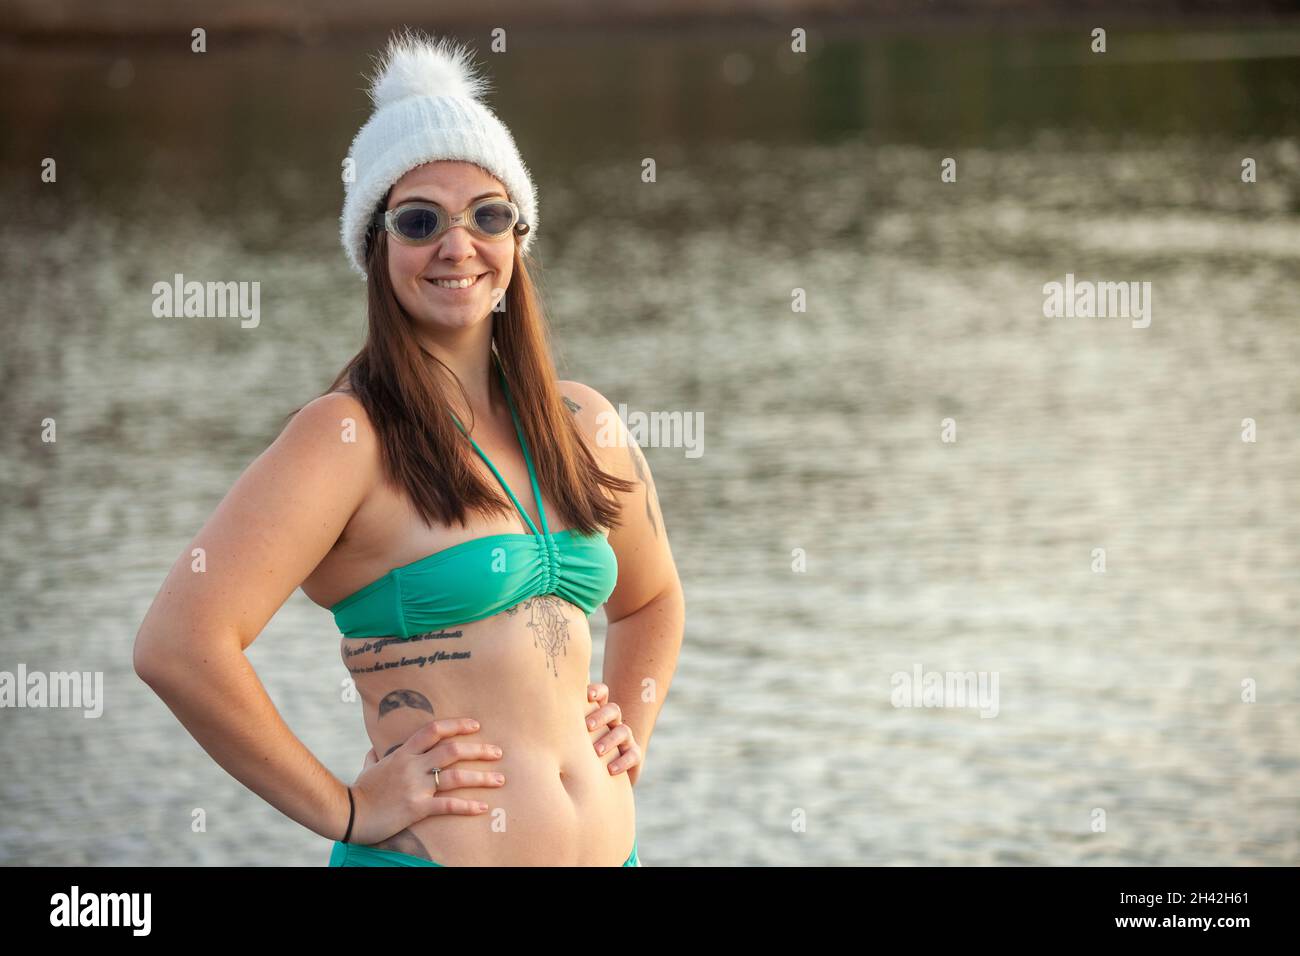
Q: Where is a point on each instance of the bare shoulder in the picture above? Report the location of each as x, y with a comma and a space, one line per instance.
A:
599, 423
337, 421
640, 540
333, 410
583, 400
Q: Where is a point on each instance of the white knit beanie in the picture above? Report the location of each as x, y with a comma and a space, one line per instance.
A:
427, 108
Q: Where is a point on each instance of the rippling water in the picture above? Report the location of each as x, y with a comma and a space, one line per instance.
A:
1118, 691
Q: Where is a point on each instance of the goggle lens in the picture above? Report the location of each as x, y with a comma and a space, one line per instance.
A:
416, 223
493, 218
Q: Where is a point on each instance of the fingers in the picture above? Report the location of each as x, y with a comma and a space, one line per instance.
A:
619, 736
608, 713
435, 731
448, 752
459, 779
597, 694
629, 758
457, 805
454, 779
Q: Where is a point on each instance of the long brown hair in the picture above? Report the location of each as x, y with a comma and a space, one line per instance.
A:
425, 454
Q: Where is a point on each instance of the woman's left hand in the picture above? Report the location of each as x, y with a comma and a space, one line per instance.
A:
605, 720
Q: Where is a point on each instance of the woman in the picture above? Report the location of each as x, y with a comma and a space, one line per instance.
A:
463, 614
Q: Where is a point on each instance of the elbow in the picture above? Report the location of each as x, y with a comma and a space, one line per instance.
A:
679, 597
671, 601
155, 658
674, 599
144, 658
165, 654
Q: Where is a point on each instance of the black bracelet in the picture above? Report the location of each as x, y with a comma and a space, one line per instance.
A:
352, 809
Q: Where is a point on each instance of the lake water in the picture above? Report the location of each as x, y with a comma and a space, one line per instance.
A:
1120, 692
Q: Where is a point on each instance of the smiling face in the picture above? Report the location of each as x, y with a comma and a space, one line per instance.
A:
456, 253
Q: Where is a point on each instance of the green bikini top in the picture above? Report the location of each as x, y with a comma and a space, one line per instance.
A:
477, 579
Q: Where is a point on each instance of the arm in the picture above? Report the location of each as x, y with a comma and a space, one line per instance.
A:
272, 529
647, 609
644, 645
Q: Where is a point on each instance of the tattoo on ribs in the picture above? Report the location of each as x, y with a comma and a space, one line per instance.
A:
550, 626
355, 646
376, 645
397, 699
434, 658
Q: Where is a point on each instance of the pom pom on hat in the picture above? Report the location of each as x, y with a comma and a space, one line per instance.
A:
414, 66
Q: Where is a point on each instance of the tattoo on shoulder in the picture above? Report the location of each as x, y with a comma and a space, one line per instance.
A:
643, 475
573, 406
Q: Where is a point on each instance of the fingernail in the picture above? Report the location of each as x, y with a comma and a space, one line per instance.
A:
590, 723
600, 748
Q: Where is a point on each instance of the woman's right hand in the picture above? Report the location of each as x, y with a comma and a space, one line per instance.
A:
392, 793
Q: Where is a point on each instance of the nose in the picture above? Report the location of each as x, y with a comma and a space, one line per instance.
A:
457, 244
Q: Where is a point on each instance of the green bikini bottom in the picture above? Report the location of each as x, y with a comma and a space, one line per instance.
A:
357, 854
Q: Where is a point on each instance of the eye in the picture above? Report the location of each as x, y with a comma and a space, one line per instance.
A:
417, 222
493, 217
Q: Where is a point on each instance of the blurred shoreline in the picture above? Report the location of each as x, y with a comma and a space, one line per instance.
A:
150, 22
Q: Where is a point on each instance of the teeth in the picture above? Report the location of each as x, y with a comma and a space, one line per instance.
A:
455, 283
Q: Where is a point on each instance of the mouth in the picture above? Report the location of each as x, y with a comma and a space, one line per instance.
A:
457, 288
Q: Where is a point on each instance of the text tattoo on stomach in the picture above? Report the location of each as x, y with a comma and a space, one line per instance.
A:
546, 618
378, 644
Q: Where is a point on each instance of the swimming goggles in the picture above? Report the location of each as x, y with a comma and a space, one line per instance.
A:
419, 223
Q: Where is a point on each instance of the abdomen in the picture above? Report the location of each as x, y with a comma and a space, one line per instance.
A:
522, 675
